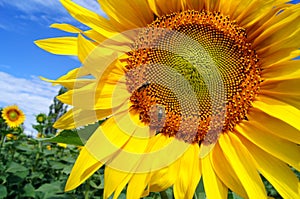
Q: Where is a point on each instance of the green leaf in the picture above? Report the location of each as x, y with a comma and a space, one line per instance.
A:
93, 184
77, 138
50, 187
3, 179
17, 170
235, 196
3, 191
88, 130
122, 196
50, 190
36, 175
67, 169
29, 191
200, 192
24, 148
68, 159
67, 137
57, 165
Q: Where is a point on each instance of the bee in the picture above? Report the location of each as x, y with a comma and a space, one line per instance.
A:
160, 113
158, 117
143, 86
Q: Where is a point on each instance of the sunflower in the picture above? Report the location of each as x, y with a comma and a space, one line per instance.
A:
41, 118
188, 89
13, 116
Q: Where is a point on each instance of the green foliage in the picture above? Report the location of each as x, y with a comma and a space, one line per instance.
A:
39, 168
66, 137
56, 110
31, 169
74, 137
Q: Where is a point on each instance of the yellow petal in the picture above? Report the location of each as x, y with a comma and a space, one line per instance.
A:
113, 178
70, 83
225, 172
242, 163
85, 165
285, 70
281, 48
288, 86
189, 173
75, 118
279, 110
137, 185
59, 45
280, 27
119, 142
286, 91
95, 36
104, 61
126, 161
166, 7
232, 8
280, 148
109, 137
194, 4
93, 20
288, 98
128, 13
248, 14
162, 178
269, 124
292, 54
121, 186
211, 5
214, 188
74, 74
66, 27
85, 47
93, 96
267, 19
154, 7
275, 171
91, 34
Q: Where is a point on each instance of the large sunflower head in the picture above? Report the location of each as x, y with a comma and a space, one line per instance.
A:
188, 89
13, 116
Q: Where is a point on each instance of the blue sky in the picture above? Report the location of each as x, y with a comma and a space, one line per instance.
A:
21, 62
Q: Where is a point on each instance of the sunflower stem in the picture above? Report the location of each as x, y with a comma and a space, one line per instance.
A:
87, 189
2, 141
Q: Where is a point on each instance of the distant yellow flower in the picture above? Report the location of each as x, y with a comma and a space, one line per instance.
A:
190, 89
41, 118
48, 147
63, 145
11, 136
40, 135
13, 116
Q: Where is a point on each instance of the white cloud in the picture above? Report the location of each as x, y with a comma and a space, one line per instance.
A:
43, 12
49, 8
30, 6
33, 96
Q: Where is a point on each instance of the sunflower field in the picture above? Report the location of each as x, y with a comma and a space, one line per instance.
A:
38, 167
170, 99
